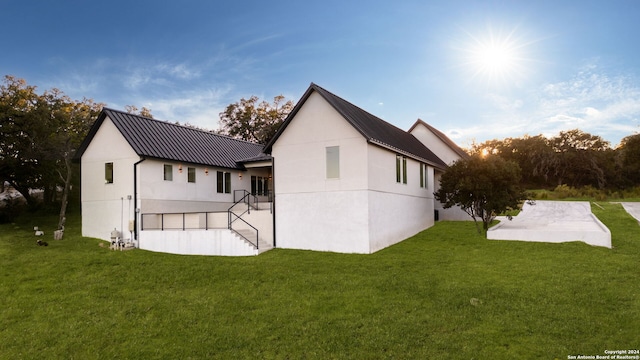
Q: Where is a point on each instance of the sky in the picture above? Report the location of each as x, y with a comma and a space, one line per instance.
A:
476, 70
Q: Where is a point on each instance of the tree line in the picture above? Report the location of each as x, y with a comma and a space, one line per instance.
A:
573, 158
40, 133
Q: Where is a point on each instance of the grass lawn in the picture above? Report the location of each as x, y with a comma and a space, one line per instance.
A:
446, 293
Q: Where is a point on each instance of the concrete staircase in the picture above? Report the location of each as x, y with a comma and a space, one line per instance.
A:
251, 235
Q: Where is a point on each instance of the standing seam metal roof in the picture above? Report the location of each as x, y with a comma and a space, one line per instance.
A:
163, 140
374, 129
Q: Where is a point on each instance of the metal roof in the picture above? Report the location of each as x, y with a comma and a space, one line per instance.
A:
374, 129
163, 140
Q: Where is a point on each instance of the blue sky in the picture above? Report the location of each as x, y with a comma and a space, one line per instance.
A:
477, 70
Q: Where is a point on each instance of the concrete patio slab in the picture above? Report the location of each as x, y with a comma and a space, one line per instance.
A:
554, 222
633, 208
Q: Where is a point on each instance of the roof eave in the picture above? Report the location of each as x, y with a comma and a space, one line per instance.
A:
406, 153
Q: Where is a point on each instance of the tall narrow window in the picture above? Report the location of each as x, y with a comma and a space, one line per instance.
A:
254, 184
191, 175
401, 169
168, 172
404, 170
424, 176
108, 173
333, 162
223, 182
227, 183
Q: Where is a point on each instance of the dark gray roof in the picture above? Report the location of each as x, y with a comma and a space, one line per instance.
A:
163, 140
374, 129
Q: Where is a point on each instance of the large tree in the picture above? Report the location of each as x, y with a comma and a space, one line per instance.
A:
482, 186
629, 155
255, 121
40, 134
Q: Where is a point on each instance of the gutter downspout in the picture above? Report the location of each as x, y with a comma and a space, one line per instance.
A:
273, 185
135, 201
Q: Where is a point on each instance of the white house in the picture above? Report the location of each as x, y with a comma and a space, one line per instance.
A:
334, 178
347, 181
168, 188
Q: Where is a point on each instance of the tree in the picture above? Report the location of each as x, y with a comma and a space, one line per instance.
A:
254, 121
577, 159
630, 158
132, 109
40, 134
482, 186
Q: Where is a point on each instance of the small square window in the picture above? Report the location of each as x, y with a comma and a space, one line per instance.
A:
108, 173
191, 175
168, 172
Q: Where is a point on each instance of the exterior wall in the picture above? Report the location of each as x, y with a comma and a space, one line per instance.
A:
313, 212
396, 210
106, 207
440, 148
196, 242
362, 211
178, 195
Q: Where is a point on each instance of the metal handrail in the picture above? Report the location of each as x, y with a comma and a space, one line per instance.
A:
256, 244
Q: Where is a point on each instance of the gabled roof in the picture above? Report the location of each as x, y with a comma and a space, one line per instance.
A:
374, 129
163, 140
444, 138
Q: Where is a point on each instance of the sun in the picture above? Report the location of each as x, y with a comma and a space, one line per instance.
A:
496, 57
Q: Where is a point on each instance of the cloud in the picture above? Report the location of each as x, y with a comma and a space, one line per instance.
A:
592, 100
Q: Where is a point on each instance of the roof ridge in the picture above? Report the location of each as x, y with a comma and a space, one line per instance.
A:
167, 122
356, 106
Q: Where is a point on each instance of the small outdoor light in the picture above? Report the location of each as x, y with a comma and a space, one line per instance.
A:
206, 171
240, 176
180, 168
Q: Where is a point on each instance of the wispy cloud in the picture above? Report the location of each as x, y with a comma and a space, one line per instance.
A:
592, 100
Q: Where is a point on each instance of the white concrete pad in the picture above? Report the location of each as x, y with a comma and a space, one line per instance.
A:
633, 208
554, 222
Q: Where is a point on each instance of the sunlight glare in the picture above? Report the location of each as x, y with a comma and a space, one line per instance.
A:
497, 57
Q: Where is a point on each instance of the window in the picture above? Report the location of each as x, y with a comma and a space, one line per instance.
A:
168, 172
258, 185
108, 173
401, 169
424, 176
333, 162
191, 174
223, 182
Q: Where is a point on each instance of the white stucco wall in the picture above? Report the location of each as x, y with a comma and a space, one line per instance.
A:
106, 206
396, 210
313, 212
196, 242
435, 144
362, 211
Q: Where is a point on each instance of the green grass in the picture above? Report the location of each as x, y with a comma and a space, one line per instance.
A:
445, 293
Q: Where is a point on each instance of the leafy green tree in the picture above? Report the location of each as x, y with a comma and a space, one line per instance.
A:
629, 151
577, 158
254, 121
481, 186
40, 134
